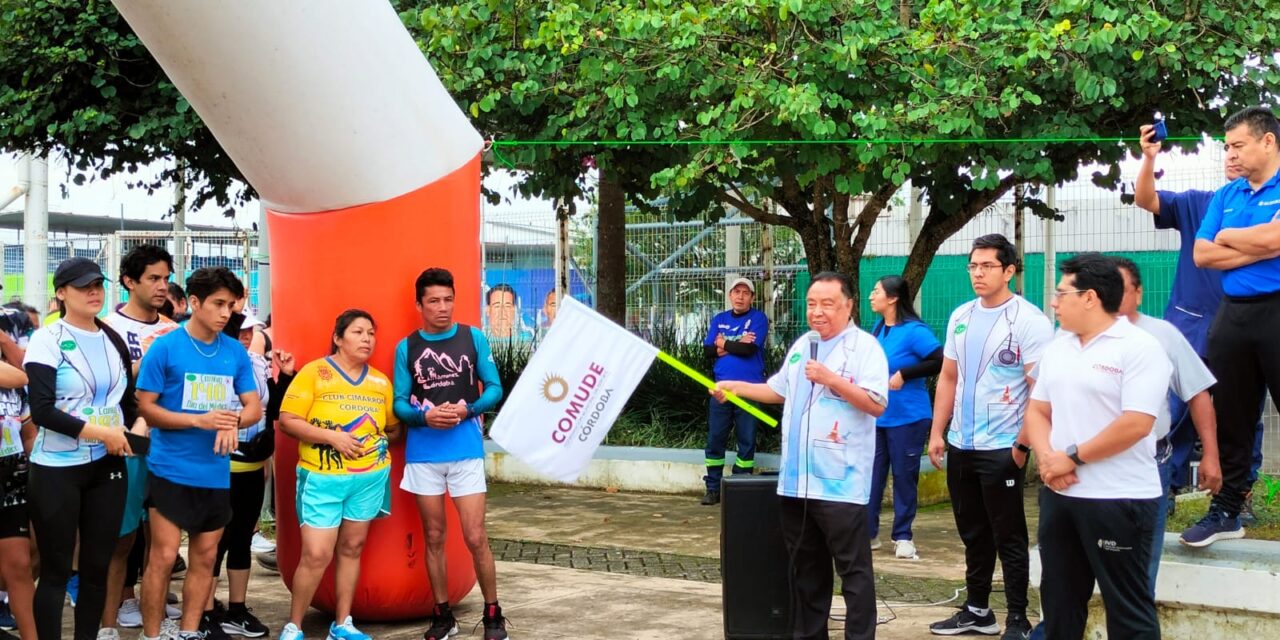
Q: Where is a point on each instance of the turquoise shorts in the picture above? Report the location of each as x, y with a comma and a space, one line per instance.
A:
324, 500
134, 511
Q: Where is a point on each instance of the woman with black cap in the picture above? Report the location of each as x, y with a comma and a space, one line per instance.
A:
82, 397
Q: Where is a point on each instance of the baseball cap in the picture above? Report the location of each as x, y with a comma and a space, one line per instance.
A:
77, 272
250, 320
743, 281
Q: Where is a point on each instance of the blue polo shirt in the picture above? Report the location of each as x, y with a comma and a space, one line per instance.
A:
1236, 206
906, 344
1196, 292
735, 367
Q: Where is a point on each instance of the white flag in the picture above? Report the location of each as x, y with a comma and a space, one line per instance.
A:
571, 391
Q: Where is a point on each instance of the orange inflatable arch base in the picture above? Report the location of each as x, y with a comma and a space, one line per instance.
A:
368, 257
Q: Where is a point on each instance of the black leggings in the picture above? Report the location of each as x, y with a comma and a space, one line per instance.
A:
87, 499
247, 488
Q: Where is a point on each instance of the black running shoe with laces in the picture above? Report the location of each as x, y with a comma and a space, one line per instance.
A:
211, 623
495, 624
966, 622
240, 621
443, 624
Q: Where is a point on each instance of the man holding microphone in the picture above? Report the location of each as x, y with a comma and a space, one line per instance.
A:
833, 384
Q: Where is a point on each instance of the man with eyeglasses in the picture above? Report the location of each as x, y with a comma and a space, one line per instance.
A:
1101, 385
992, 343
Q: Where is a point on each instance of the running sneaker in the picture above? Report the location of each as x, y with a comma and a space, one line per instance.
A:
1016, 627
443, 624
346, 631
495, 624
211, 623
875, 544
262, 544
291, 632
1215, 526
268, 561
6, 617
5, 635
108, 633
179, 568
240, 621
192, 635
966, 621
904, 549
711, 498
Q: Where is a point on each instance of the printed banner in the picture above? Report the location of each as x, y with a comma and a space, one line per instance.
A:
571, 391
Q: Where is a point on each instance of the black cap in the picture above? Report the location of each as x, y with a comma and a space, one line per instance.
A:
77, 272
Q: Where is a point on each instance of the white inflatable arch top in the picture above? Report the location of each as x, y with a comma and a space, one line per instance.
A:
322, 104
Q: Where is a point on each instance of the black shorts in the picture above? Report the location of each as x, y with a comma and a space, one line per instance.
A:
15, 522
193, 509
13, 480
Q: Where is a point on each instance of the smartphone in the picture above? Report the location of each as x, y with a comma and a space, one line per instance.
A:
140, 445
1161, 131
233, 325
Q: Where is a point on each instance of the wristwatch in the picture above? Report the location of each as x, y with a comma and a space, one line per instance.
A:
1073, 453
1022, 447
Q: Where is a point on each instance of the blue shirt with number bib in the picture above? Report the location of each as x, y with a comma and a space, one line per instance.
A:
1235, 206
194, 377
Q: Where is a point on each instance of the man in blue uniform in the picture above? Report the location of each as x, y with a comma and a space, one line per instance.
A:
735, 347
1193, 301
1241, 237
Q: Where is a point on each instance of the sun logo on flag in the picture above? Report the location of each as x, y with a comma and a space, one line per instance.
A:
554, 388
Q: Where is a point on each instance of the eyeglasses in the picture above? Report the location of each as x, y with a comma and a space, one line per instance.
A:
1059, 294
975, 267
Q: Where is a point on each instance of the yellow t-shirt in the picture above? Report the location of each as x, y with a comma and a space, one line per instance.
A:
323, 395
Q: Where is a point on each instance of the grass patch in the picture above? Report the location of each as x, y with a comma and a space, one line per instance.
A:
1266, 509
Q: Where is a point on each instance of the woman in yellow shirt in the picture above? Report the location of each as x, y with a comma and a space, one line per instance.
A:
339, 409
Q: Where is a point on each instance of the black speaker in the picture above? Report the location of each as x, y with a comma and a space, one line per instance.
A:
753, 560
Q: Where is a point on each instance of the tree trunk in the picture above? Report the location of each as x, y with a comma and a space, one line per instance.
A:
611, 248
939, 227
849, 259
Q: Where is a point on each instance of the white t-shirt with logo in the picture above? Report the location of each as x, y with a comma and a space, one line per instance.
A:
1122, 369
991, 347
91, 380
1190, 374
138, 335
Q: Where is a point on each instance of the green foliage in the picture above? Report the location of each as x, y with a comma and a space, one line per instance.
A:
75, 80
717, 71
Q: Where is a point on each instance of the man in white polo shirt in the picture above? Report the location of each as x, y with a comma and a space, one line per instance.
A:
1090, 420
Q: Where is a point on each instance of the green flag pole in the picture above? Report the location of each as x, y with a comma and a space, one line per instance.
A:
706, 382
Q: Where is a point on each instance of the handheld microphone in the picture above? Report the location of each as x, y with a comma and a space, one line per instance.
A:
813, 345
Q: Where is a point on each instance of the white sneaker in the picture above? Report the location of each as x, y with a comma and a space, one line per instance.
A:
130, 615
262, 544
875, 544
291, 632
169, 629
904, 549
108, 634
171, 612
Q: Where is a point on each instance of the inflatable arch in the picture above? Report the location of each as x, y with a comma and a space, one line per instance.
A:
370, 173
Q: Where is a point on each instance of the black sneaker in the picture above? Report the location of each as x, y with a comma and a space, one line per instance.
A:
179, 568
712, 497
1016, 627
240, 621
964, 622
211, 623
443, 624
495, 624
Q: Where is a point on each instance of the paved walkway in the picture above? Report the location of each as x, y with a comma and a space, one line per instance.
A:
590, 564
